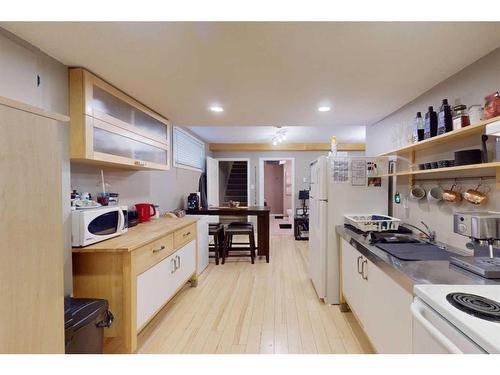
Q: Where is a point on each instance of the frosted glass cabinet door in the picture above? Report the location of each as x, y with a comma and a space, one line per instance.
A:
113, 106
114, 144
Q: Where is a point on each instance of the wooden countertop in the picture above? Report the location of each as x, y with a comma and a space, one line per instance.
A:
138, 236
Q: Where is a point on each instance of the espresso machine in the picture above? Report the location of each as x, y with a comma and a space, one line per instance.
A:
483, 228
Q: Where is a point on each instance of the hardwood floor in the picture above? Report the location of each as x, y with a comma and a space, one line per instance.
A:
262, 308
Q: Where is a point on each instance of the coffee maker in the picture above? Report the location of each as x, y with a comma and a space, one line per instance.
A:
193, 201
483, 228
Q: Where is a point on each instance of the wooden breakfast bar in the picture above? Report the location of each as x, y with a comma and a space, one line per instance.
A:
262, 213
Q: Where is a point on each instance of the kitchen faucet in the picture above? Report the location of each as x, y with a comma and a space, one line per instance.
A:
430, 234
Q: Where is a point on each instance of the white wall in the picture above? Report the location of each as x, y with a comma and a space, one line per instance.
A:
302, 161
470, 86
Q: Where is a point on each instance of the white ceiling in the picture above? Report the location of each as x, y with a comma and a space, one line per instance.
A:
264, 134
267, 74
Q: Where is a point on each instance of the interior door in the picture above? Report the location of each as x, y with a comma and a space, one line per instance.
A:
212, 182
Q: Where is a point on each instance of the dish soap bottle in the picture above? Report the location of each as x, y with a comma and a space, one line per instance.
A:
445, 118
430, 128
418, 128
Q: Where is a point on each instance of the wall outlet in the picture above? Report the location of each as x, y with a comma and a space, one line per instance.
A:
304, 179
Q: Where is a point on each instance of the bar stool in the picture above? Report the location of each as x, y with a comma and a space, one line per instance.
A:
234, 229
217, 247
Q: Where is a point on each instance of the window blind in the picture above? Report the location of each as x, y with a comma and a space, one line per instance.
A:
188, 151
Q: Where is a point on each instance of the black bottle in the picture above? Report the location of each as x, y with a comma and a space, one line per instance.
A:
445, 118
431, 123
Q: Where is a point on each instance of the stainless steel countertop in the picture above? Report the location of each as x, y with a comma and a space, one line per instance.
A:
410, 273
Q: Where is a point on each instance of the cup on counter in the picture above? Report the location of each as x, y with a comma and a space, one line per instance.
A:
103, 198
417, 192
435, 194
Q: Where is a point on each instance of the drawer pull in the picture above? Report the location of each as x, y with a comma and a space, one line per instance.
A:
186, 234
359, 270
158, 250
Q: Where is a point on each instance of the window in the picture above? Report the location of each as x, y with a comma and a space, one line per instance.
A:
189, 152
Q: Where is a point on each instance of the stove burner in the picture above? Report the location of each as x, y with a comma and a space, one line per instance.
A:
477, 306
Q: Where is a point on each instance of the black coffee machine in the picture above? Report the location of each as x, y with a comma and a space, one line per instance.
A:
193, 201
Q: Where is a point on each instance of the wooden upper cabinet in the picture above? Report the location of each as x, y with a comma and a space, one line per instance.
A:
109, 127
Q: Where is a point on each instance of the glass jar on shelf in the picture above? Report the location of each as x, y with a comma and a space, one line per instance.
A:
460, 117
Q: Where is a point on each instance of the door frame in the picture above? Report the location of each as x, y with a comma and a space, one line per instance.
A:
261, 179
248, 174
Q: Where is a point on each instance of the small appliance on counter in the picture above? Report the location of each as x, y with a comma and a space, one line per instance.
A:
133, 217
482, 227
193, 201
145, 211
94, 225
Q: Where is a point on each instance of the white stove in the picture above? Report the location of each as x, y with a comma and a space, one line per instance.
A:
456, 319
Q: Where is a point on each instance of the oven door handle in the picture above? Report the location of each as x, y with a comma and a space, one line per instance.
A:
416, 310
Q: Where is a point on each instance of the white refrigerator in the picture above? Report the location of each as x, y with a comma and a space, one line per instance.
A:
335, 193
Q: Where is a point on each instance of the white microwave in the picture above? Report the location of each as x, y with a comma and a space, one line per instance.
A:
97, 224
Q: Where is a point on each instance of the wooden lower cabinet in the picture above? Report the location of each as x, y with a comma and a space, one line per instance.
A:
381, 306
137, 284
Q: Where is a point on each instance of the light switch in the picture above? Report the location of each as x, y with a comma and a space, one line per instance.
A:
304, 179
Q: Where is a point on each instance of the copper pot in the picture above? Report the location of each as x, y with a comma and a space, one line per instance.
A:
474, 196
452, 196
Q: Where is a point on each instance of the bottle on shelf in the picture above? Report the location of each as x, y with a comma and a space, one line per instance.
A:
418, 128
445, 118
460, 117
497, 149
431, 123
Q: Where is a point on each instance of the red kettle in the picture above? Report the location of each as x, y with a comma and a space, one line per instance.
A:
144, 212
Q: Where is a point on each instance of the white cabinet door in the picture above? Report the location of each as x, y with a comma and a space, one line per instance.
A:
354, 287
186, 263
154, 287
389, 322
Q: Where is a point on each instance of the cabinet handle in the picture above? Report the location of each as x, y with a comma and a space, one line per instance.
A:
158, 250
359, 258
173, 265
186, 234
179, 259
365, 277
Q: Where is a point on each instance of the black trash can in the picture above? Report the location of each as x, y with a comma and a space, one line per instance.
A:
84, 323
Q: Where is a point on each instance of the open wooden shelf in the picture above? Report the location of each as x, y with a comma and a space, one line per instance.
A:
443, 138
460, 168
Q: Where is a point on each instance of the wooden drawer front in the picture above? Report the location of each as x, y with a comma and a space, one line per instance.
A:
184, 235
147, 256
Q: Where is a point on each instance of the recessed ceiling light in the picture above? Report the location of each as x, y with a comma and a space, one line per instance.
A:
216, 108
324, 108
